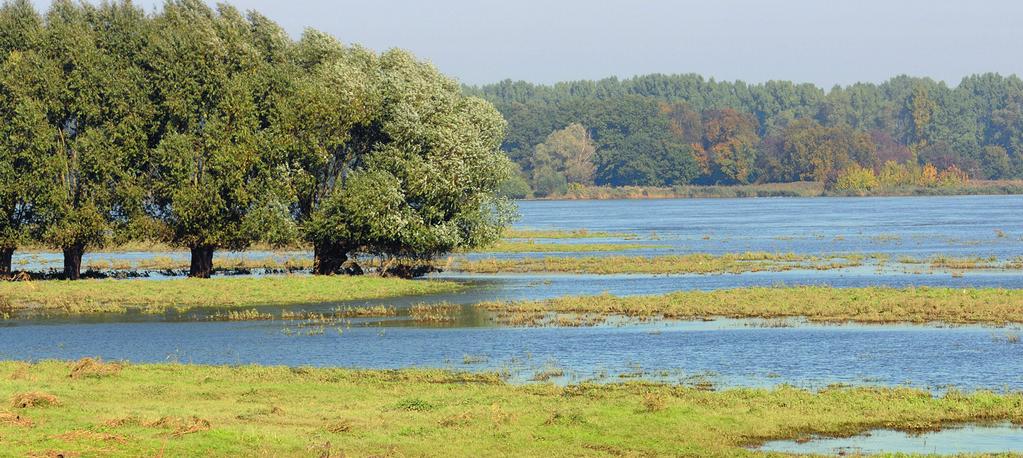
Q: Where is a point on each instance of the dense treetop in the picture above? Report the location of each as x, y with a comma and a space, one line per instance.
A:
678, 129
208, 128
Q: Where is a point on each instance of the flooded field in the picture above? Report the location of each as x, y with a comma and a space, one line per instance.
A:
722, 352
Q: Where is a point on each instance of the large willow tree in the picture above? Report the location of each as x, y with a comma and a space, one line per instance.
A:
210, 129
75, 108
213, 183
24, 131
398, 163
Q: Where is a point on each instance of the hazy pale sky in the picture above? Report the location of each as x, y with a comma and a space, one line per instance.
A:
825, 42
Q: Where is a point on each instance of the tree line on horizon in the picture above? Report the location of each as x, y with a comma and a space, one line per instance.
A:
211, 129
667, 130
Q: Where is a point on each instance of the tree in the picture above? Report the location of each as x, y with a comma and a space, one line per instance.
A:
636, 145
730, 140
212, 174
332, 122
568, 151
997, 162
24, 132
96, 110
427, 184
811, 151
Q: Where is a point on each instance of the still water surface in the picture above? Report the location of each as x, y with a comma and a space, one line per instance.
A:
722, 352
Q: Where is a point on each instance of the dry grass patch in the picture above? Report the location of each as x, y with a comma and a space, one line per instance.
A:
340, 426
88, 367
190, 426
33, 399
54, 454
21, 372
84, 435
654, 402
13, 419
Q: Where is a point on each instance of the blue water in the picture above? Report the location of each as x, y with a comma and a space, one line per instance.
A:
972, 439
724, 352
915, 226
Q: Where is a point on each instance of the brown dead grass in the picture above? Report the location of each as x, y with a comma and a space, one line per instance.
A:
12, 419
181, 426
21, 372
84, 435
33, 399
54, 454
123, 421
94, 368
340, 426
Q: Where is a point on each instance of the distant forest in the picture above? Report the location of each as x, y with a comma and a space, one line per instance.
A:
667, 130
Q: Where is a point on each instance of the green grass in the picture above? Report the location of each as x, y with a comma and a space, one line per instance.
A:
91, 296
666, 264
184, 410
815, 303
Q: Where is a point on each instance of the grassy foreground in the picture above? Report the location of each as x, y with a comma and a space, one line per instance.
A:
815, 303
89, 408
92, 296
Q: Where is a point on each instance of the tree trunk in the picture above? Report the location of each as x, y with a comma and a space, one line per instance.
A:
328, 260
73, 261
202, 262
6, 256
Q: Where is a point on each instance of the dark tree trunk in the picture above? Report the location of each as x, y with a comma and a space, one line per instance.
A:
73, 261
329, 260
6, 256
202, 262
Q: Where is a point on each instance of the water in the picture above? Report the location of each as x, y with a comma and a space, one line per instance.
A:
723, 352
913, 226
898, 226
993, 439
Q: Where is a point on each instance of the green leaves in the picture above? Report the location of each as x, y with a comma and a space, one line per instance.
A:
213, 129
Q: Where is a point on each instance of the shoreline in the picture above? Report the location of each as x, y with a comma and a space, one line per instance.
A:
770, 190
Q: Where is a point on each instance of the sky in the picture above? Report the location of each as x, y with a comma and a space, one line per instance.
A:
826, 42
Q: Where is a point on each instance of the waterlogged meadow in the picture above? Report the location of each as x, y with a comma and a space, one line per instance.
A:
130, 410
728, 323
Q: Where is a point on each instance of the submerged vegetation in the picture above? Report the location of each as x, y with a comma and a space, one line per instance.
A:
813, 303
512, 233
250, 410
105, 296
225, 299
530, 246
666, 264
